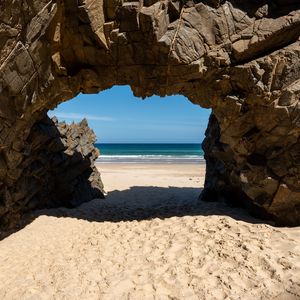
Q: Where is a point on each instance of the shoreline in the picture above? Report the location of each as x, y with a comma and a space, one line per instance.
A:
130, 165
150, 159
164, 172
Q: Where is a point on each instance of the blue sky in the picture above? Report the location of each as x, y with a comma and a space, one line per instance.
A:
117, 116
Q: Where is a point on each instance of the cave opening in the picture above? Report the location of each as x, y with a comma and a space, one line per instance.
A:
130, 131
240, 60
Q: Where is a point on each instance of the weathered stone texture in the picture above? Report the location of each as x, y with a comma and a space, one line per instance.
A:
56, 169
240, 58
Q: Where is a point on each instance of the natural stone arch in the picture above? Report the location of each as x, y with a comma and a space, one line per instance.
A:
240, 58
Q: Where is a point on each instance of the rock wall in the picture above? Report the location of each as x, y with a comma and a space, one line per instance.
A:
240, 58
57, 170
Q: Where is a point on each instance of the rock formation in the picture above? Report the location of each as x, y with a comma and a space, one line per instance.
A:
57, 170
240, 58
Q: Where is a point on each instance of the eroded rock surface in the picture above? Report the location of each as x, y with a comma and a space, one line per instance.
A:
57, 170
240, 58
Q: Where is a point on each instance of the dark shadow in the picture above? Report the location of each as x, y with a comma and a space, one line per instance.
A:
276, 8
57, 170
145, 203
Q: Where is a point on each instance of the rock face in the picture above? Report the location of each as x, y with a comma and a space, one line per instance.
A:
57, 170
240, 58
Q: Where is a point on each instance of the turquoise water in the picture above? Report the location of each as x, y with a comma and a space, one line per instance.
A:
150, 153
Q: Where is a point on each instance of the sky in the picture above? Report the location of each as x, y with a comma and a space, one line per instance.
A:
116, 116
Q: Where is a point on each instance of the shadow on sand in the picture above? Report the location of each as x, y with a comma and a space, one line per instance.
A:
144, 203
149, 202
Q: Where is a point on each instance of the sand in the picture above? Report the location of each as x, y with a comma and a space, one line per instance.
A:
150, 239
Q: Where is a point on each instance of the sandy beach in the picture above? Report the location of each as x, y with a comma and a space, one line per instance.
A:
150, 238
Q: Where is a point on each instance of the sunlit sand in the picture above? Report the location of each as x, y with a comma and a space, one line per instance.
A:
150, 239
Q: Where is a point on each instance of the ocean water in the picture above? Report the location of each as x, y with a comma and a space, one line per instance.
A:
150, 153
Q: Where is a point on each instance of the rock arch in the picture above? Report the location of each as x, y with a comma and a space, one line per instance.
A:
240, 58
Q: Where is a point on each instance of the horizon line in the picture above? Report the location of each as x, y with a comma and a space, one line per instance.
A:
162, 143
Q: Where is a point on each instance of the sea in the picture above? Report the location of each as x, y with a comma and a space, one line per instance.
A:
151, 153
